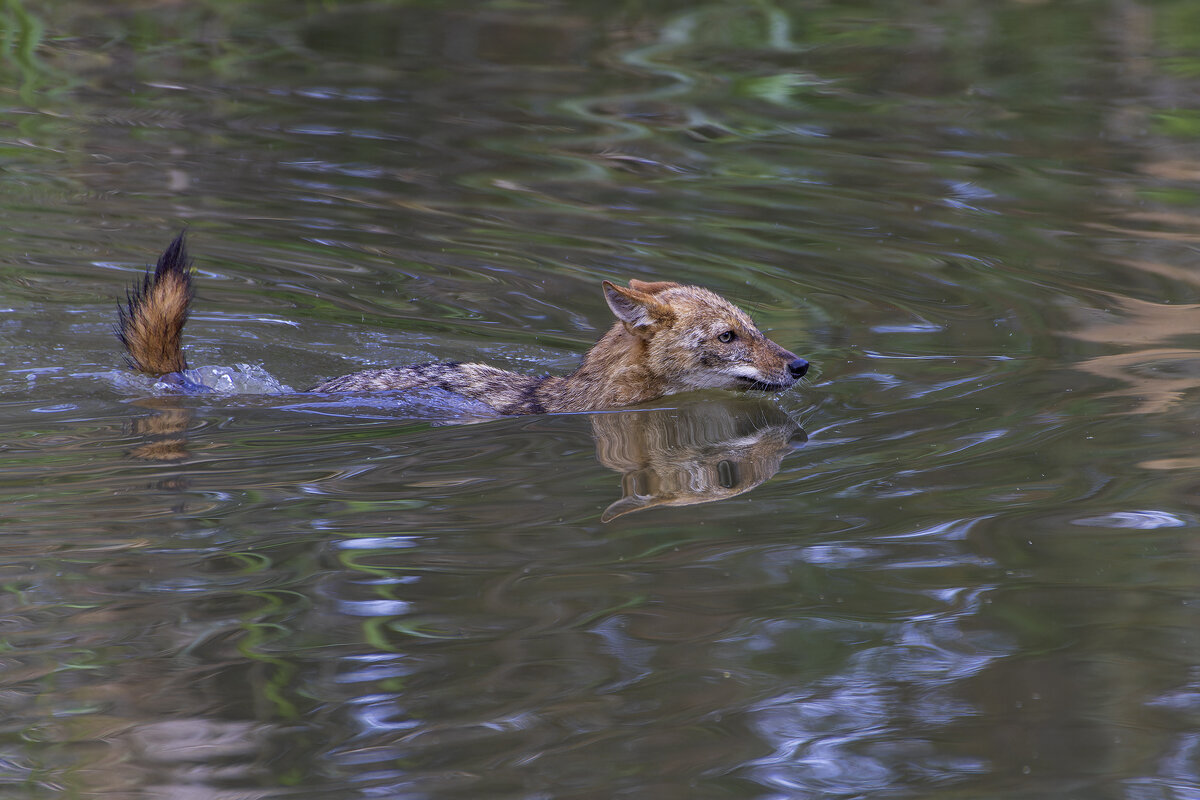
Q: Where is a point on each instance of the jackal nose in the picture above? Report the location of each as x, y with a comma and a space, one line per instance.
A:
798, 368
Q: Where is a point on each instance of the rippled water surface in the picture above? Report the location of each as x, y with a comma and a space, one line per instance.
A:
955, 562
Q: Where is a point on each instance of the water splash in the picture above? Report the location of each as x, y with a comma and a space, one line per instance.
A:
238, 379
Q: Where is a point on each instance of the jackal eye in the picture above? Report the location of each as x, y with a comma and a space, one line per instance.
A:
726, 337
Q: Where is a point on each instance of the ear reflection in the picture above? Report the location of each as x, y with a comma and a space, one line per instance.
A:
699, 452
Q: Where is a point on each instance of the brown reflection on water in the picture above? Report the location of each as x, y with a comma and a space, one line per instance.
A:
703, 449
164, 431
701, 452
1158, 376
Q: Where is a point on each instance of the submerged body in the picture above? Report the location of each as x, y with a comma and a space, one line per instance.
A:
668, 338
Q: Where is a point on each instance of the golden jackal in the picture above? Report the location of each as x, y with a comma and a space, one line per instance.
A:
668, 338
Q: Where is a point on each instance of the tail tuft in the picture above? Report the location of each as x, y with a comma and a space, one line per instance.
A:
150, 324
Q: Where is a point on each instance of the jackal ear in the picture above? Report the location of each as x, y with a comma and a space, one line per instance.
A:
652, 287
638, 310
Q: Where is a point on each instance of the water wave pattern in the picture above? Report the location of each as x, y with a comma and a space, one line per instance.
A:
972, 576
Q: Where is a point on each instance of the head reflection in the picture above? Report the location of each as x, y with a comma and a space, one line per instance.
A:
699, 451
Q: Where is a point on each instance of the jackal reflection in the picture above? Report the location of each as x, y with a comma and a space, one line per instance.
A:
702, 450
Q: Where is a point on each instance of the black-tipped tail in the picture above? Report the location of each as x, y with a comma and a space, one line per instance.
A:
150, 324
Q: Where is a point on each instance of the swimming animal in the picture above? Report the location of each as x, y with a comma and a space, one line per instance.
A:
667, 338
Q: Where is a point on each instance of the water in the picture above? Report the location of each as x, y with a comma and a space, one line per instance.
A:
957, 561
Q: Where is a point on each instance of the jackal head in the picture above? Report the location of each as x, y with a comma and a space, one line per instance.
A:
695, 339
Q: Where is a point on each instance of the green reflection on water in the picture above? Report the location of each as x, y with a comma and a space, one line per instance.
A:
975, 579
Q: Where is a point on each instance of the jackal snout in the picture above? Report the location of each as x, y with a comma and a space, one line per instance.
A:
794, 368
759, 364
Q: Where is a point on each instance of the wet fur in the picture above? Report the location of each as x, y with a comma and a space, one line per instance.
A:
150, 324
666, 340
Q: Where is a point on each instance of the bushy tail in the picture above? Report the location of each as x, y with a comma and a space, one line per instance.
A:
150, 324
